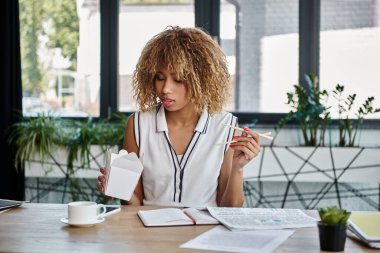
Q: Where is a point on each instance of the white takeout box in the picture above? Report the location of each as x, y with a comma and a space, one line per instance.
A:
123, 173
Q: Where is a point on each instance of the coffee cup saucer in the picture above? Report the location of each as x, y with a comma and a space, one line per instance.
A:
66, 221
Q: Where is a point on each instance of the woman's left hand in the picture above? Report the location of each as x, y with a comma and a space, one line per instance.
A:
246, 147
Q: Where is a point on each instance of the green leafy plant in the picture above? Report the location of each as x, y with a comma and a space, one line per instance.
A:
309, 110
349, 127
333, 216
40, 137
35, 136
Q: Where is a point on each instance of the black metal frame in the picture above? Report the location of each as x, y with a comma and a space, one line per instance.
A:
332, 189
109, 23
207, 16
256, 195
37, 188
309, 26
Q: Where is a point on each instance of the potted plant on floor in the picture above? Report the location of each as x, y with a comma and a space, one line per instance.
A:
332, 228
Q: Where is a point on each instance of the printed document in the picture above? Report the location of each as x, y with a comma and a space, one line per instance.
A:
222, 239
261, 218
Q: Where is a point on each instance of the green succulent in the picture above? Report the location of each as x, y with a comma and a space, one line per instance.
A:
333, 215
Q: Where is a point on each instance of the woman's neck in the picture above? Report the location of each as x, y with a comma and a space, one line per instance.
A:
182, 118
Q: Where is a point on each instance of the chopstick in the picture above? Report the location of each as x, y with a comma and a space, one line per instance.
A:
224, 143
264, 135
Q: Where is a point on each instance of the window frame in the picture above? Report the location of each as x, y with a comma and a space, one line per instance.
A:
109, 48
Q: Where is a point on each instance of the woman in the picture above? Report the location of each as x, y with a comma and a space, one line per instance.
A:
181, 83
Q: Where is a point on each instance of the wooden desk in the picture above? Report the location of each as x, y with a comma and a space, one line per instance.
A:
37, 228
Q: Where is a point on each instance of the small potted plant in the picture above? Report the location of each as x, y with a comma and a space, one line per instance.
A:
332, 228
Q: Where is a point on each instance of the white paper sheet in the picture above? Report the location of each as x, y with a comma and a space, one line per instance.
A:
220, 238
261, 218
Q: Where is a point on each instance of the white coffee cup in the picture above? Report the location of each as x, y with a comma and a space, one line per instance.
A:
85, 212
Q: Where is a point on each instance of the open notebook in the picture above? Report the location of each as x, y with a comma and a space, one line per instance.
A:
175, 217
366, 226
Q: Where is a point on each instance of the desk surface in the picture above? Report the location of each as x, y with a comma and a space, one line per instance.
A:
37, 228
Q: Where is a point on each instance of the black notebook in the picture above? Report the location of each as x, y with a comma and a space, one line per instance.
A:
7, 203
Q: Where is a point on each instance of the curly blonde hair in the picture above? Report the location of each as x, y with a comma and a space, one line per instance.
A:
194, 58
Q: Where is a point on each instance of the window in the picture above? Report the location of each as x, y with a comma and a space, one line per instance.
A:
266, 61
138, 22
60, 57
61, 51
350, 49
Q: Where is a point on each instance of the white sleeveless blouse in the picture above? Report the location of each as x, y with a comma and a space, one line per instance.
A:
187, 180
